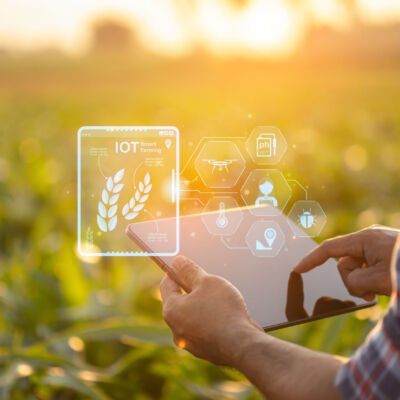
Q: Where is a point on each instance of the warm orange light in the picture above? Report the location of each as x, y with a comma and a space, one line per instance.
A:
258, 27
356, 157
76, 343
166, 189
181, 343
377, 11
24, 370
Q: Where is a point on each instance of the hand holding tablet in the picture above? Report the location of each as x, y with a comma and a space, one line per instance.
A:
266, 283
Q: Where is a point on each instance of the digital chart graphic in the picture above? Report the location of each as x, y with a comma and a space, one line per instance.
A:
125, 175
224, 173
131, 174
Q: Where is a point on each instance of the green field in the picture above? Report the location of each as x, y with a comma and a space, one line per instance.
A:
70, 329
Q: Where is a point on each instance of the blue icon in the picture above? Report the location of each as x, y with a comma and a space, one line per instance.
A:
266, 188
270, 236
306, 219
266, 145
265, 238
309, 218
222, 220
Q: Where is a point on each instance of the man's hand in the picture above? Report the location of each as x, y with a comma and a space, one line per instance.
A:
365, 260
212, 321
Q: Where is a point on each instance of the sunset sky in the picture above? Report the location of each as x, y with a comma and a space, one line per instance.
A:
260, 27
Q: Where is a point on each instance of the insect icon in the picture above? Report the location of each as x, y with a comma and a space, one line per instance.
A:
306, 219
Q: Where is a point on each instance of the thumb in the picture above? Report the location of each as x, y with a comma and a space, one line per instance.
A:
187, 271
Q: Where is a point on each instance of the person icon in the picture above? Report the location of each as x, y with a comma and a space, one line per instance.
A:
266, 188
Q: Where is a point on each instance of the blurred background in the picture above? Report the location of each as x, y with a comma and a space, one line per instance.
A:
326, 72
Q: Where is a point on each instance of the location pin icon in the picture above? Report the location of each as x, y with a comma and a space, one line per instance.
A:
168, 143
270, 236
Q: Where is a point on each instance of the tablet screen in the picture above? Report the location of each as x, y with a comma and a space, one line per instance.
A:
258, 257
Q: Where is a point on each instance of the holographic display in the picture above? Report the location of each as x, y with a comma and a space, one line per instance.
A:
127, 175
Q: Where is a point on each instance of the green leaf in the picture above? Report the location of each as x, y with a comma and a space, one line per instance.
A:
114, 330
36, 360
78, 385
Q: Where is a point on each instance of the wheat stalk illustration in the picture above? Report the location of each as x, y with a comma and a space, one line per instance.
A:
137, 202
107, 210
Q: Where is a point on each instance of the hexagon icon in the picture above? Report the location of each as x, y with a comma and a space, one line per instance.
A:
220, 164
265, 239
309, 218
266, 145
267, 190
216, 218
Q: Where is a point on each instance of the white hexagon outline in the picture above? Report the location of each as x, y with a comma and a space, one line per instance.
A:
256, 160
240, 221
240, 154
305, 234
275, 225
260, 169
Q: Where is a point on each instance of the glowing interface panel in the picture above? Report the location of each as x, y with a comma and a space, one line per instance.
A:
242, 173
127, 175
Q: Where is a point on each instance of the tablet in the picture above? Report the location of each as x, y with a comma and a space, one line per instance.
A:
257, 255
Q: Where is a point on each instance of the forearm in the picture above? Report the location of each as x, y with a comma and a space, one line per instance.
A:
282, 370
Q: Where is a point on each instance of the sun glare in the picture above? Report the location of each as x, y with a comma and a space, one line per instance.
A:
378, 10
329, 12
258, 27
269, 27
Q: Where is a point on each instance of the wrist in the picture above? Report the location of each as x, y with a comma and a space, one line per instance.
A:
244, 342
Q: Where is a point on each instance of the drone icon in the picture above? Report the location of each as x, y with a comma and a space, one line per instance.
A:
220, 164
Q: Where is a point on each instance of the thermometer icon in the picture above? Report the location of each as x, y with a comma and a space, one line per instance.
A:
222, 220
